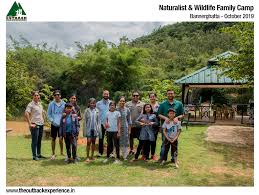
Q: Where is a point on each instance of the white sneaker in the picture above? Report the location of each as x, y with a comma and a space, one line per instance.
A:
176, 165
105, 160
66, 159
162, 163
117, 161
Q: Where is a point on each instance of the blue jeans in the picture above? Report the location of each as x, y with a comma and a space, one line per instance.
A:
36, 136
162, 147
163, 150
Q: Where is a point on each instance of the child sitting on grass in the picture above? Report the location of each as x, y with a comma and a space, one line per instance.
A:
69, 129
171, 132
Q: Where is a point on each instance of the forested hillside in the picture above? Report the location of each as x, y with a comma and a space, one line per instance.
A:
147, 63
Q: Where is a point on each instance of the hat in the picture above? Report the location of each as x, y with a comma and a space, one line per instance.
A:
171, 110
68, 105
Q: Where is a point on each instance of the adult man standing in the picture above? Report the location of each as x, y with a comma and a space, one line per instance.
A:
34, 114
135, 106
103, 107
162, 114
55, 111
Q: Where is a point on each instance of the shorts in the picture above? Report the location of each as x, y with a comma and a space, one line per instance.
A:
54, 131
91, 134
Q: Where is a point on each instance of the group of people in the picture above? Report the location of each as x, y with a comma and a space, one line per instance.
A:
121, 123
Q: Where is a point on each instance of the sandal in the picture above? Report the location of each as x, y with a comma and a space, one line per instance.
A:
53, 157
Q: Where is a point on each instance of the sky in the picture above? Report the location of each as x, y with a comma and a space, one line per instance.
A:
64, 34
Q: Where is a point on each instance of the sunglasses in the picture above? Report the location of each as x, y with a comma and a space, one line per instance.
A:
135, 95
57, 95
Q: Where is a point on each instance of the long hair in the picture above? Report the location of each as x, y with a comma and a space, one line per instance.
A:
144, 111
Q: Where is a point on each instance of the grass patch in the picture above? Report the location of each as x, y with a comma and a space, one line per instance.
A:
201, 164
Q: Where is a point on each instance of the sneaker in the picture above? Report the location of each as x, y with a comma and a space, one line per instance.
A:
98, 155
40, 156
105, 160
112, 155
176, 165
154, 158
35, 158
77, 159
53, 157
66, 159
134, 160
87, 160
162, 163
117, 161
125, 159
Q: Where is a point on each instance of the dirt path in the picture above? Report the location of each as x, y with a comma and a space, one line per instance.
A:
233, 135
21, 128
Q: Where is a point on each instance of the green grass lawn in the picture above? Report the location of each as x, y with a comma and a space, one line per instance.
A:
201, 164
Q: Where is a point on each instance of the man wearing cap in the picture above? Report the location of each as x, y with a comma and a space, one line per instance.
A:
34, 114
103, 107
177, 106
55, 111
135, 106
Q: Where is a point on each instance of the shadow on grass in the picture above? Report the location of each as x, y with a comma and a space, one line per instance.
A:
19, 159
234, 154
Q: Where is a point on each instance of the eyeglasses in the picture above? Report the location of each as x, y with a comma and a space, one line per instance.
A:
57, 95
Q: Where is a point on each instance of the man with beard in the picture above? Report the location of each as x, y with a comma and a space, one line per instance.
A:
162, 114
103, 107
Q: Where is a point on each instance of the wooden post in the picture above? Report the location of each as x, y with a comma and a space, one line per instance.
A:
183, 92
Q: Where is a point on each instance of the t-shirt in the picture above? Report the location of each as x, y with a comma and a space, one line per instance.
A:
36, 111
172, 129
112, 118
68, 123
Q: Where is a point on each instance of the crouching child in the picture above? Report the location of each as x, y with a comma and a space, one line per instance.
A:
69, 129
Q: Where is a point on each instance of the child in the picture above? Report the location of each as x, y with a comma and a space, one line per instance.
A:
148, 121
125, 127
171, 132
69, 129
92, 127
112, 126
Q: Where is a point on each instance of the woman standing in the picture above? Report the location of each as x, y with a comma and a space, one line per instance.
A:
155, 106
125, 126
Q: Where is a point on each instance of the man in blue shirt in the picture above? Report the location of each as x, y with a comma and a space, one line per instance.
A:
103, 107
55, 111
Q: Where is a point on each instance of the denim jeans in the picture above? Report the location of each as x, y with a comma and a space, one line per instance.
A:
163, 150
70, 140
36, 137
162, 147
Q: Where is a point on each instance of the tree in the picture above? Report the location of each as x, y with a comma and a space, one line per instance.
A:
240, 66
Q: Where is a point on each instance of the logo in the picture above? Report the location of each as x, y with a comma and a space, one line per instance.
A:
16, 13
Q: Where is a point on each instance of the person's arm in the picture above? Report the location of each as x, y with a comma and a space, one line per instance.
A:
119, 126
165, 134
139, 120
49, 114
178, 131
129, 121
27, 116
